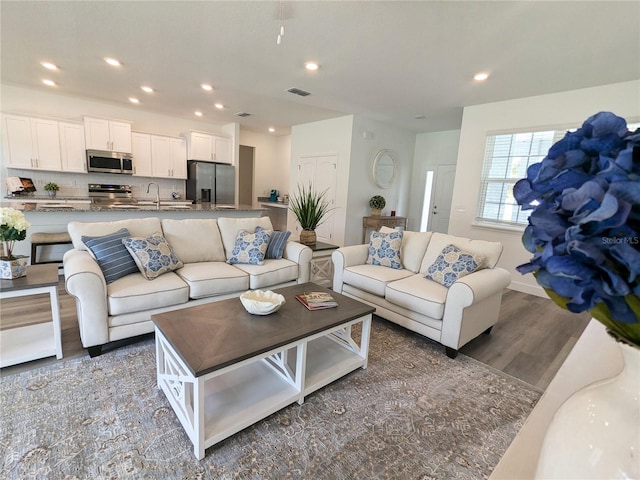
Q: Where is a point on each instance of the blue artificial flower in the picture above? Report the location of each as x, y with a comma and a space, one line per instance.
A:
584, 227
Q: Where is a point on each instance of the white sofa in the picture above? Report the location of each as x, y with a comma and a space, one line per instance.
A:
123, 308
452, 316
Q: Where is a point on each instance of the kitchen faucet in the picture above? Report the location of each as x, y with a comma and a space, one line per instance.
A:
157, 200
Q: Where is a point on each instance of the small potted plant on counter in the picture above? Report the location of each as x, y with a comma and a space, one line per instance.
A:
377, 203
51, 189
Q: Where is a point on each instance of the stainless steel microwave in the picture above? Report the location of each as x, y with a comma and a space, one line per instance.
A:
109, 162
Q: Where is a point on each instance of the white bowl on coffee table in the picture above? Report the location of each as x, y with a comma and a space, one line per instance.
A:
261, 302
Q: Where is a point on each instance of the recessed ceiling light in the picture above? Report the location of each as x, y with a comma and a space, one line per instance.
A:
312, 66
480, 77
206, 86
198, 113
134, 100
219, 106
271, 129
146, 89
112, 61
49, 66
48, 82
420, 117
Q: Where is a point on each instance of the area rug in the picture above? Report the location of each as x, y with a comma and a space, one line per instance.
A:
413, 413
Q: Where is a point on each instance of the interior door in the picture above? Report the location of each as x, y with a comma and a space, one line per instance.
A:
320, 171
441, 206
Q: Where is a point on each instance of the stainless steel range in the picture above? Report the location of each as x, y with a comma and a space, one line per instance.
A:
111, 195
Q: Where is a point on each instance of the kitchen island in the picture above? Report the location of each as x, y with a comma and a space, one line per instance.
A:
53, 216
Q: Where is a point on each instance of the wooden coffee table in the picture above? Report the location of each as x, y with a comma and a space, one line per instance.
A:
223, 369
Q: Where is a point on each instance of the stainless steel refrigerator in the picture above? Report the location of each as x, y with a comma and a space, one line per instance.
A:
209, 182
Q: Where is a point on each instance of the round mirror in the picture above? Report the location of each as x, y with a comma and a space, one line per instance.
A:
384, 168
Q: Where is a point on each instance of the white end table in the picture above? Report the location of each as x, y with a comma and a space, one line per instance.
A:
321, 264
30, 342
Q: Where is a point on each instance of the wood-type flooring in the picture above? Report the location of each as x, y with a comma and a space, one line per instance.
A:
530, 341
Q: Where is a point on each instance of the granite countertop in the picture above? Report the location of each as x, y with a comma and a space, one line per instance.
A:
77, 205
265, 201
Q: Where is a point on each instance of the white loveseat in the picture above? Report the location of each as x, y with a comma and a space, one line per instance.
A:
452, 316
123, 308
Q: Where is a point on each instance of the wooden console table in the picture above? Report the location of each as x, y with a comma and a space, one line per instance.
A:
377, 221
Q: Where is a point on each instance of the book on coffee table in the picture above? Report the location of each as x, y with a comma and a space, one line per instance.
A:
317, 300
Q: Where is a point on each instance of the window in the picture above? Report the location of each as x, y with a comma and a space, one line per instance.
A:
506, 159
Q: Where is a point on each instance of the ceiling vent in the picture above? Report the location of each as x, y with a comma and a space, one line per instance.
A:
297, 91
242, 114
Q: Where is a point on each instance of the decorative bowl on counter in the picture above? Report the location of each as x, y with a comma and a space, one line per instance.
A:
261, 302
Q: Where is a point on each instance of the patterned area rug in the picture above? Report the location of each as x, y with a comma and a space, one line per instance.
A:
413, 414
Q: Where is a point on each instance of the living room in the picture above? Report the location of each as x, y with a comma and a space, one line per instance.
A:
352, 130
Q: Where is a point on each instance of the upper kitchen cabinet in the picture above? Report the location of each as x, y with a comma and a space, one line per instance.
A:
31, 143
209, 148
102, 134
168, 157
141, 149
72, 149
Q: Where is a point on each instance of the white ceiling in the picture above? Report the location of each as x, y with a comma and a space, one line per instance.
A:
386, 60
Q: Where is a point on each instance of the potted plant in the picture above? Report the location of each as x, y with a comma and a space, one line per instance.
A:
51, 188
377, 203
310, 209
13, 227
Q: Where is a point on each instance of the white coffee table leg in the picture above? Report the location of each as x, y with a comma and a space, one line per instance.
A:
198, 418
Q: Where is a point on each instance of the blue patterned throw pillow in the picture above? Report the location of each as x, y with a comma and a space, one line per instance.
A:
153, 255
384, 249
112, 256
250, 248
453, 264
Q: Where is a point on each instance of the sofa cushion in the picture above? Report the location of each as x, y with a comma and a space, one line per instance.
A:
194, 240
138, 227
134, 293
114, 259
372, 278
153, 255
491, 251
276, 245
229, 228
418, 294
414, 245
384, 249
250, 248
206, 279
452, 264
272, 272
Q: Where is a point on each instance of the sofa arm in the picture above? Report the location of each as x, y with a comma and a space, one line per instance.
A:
346, 257
84, 281
473, 305
301, 254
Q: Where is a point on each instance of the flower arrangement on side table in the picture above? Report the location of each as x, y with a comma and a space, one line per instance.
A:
584, 233
12, 229
584, 227
377, 203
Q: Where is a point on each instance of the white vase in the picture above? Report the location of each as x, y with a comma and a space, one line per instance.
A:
595, 434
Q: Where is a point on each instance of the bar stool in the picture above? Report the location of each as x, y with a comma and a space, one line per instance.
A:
42, 239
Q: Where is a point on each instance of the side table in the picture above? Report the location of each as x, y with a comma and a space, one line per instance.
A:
377, 221
321, 264
30, 342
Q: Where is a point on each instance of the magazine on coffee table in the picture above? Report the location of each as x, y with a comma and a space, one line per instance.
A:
317, 300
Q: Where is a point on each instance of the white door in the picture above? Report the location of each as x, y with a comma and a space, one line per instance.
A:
179, 158
96, 134
141, 149
161, 156
72, 149
18, 144
441, 205
46, 144
222, 148
320, 172
120, 134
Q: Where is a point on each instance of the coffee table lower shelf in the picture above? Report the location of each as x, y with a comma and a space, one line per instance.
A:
219, 404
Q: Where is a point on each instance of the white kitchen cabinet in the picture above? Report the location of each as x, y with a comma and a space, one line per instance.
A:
141, 149
209, 148
31, 143
103, 134
168, 157
72, 149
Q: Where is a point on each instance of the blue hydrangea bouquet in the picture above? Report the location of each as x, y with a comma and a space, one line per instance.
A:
584, 227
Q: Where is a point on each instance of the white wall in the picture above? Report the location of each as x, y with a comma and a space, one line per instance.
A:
559, 109
380, 136
271, 162
22, 100
432, 149
327, 137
